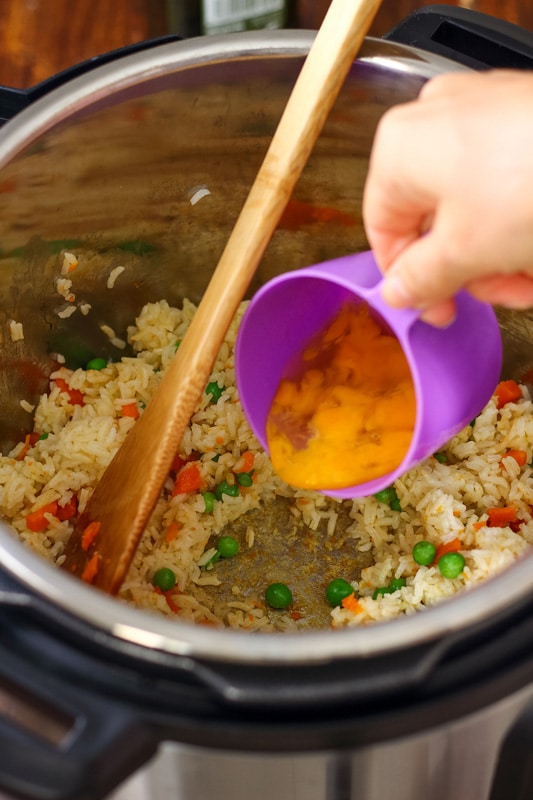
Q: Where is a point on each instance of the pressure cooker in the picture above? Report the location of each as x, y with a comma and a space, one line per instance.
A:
101, 700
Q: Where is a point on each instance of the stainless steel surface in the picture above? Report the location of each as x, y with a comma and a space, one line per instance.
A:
115, 157
451, 762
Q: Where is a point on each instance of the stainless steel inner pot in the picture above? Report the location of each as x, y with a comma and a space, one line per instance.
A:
115, 161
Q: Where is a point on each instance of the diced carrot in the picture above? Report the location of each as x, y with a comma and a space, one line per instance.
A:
172, 531
501, 516
67, 511
22, 455
74, 395
130, 410
448, 547
351, 603
520, 456
177, 463
296, 615
91, 568
189, 479
168, 597
507, 392
36, 521
245, 462
89, 534
478, 525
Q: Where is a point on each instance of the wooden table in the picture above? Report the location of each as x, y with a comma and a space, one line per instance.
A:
41, 37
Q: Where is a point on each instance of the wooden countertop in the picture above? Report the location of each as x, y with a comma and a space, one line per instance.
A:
41, 37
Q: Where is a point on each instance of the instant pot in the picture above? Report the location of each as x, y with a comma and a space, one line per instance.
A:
101, 700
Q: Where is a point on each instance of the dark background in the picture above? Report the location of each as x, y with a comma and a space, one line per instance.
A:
41, 37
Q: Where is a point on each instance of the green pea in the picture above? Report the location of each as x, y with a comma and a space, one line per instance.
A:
209, 500
380, 591
337, 590
424, 553
164, 579
389, 497
278, 595
97, 363
397, 583
226, 488
451, 565
244, 478
214, 390
227, 546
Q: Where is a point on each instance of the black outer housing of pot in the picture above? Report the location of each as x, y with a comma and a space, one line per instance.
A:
101, 706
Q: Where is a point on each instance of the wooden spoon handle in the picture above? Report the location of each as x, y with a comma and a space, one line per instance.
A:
313, 95
125, 496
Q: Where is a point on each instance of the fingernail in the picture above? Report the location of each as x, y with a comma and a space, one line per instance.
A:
394, 291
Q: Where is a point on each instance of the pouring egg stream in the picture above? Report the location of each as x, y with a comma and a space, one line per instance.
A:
345, 409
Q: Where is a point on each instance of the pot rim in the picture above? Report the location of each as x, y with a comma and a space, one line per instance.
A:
154, 632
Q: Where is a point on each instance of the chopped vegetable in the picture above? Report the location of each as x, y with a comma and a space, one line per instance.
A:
214, 390
172, 531
451, 565
227, 546
441, 457
389, 497
74, 395
226, 488
520, 456
394, 585
397, 583
501, 516
164, 578
278, 595
507, 392
350, 603
91, 568
130, 410
97, 363
337, 590
245, 462
447, 547
37, 521
189, 479
209, 500
67, 511
89, 534
424, 553
245, 479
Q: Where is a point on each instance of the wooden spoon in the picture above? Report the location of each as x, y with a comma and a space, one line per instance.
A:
106, 535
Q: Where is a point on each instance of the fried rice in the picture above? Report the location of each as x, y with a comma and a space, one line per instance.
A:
301, 538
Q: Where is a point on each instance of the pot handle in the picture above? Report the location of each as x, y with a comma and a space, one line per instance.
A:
513, 776
468, 37
84, 748
12, 101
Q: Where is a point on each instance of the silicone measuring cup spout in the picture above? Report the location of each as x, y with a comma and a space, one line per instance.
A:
454, 370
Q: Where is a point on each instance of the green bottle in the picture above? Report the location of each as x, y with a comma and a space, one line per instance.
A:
197, 17
228, 16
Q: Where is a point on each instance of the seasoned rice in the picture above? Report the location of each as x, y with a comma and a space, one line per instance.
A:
369, 543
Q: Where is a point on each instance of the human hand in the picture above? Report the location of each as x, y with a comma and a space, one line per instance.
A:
448, 201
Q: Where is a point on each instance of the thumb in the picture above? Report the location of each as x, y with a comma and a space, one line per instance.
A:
421, 275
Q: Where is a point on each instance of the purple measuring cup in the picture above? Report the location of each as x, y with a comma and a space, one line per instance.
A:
454, 370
